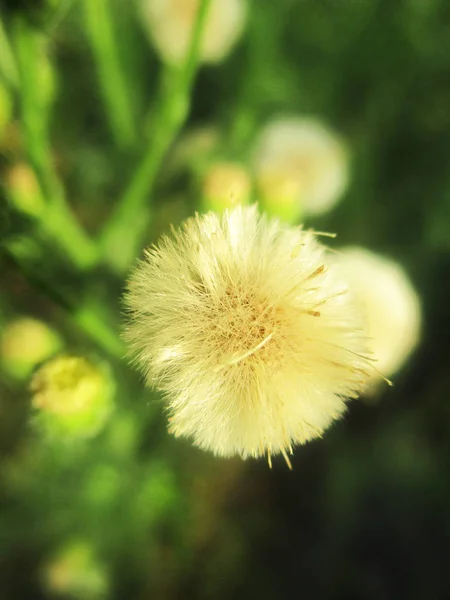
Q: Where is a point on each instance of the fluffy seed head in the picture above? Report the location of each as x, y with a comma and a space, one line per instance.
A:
301, 166
241, 324
170, 24
389, 304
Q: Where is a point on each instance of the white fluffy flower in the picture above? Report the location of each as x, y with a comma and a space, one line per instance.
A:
245, 329
389, 304
305, 156
170, 25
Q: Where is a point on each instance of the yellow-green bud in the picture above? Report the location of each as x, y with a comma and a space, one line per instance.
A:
279, 194
75, 571
73, 396
225, 184
23, 189
24, 343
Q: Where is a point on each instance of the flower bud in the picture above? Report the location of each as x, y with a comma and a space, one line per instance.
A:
279, 194
73, 396
75, 572
23, 189
225, 184
24, 343
170, 24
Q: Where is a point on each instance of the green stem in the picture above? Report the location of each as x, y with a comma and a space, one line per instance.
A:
124, 232
91, 322
35, 84
113, 83
8, 69
89, 316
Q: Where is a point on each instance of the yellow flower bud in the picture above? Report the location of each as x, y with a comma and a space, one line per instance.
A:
23, 189
279, 194
225, 185
75, 571
24, 343
73, 396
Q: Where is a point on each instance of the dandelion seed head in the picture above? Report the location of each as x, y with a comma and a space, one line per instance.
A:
243, 326
170, 25
302, 164
389, 304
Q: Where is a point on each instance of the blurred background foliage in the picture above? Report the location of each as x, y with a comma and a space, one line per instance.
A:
112, 506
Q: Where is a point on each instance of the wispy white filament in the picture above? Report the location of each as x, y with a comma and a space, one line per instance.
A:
246, 330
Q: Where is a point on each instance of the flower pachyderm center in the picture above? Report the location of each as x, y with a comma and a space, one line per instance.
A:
248, 332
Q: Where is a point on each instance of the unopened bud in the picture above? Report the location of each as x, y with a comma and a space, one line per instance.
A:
23, 189
73, 396
75, 572
225, 184
24, 343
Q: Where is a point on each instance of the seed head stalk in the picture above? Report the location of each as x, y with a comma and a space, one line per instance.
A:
130, 220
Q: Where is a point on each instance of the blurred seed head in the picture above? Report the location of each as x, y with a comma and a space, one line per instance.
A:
389, 303
301, 167
25, 343
73, 396
170, 24
251, 337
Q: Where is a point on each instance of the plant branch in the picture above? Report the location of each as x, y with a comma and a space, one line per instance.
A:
35, 92
124, 232
86, 315
8, 69
113, 83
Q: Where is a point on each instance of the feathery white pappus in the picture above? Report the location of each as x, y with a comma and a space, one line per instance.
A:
243, 326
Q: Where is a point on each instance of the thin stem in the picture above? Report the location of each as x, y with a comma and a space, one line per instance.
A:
8, 69
90, 321
113, 83
35, 83
124, 233
89, 317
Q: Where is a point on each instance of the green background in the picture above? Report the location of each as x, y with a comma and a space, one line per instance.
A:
365, 513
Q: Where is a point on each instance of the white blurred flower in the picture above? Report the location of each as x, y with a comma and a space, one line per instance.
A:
301, 167
170, 25
389, 303
252, 339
